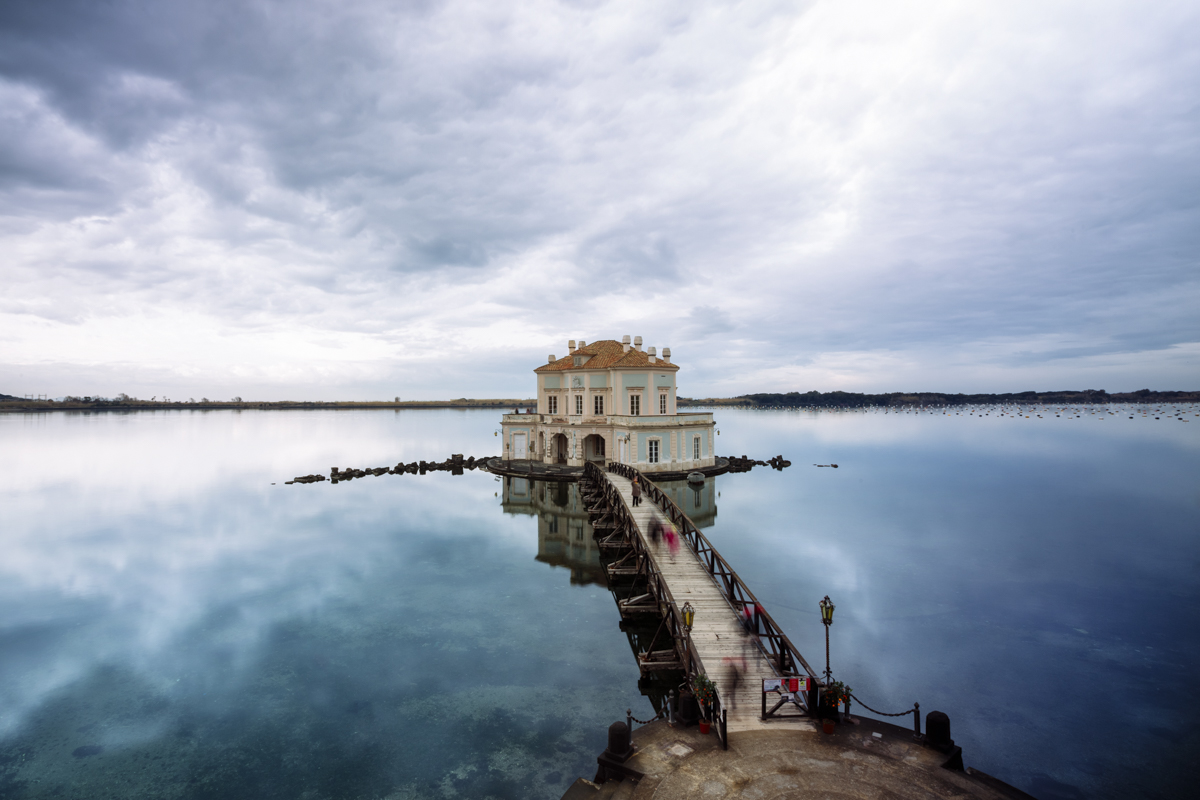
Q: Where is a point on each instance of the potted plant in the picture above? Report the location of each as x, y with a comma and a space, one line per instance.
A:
832, 696
706, 692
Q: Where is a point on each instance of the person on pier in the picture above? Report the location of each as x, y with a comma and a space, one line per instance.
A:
656, 532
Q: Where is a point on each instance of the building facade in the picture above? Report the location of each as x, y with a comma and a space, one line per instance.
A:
610, 401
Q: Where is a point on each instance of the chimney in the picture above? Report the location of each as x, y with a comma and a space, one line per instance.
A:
652, 351
582, 344
637, 343
667, 354
570, 345
552, 360
625, 343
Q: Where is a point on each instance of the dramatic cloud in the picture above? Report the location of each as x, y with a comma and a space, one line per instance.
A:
365, 199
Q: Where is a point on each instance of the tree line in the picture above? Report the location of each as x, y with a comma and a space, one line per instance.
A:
816, 399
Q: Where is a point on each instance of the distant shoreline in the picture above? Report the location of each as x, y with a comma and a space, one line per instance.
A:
918, 399
811, 400
102, 404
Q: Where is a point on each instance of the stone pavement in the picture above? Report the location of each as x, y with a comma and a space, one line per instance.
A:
869, 760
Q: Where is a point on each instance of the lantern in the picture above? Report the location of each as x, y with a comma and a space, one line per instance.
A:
689, 616
827, 611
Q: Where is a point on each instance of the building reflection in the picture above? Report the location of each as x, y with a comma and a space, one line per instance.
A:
564, 534
565, 539
699, 502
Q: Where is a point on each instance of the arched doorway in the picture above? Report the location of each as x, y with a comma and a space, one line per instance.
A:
558, 449
594, 448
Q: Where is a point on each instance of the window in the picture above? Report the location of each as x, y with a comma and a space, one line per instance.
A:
696, 448
662, 404
599, 449
598, 405
551, 405
652, 446
635, 405
579, 361
578, 405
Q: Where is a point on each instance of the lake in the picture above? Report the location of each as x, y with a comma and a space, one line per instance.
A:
175, 622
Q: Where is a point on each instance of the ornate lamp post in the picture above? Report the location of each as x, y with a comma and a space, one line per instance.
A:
827, 618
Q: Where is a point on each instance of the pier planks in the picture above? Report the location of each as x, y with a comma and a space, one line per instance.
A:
717, 633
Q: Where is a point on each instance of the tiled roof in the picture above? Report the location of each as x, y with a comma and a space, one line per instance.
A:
608, 354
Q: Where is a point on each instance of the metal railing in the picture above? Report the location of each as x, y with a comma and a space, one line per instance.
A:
779, 650
784, 657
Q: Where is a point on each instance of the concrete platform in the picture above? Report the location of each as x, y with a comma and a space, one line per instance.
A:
869, 760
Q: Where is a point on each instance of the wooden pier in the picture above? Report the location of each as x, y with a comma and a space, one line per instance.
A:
733, 640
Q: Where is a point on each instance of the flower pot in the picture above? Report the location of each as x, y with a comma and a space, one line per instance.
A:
829, 726
704, 726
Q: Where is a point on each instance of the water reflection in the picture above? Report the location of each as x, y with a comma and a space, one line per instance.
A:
566, 539
217, 636
211, 635
564, 536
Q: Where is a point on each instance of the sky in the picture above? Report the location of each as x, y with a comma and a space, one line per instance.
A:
363, 200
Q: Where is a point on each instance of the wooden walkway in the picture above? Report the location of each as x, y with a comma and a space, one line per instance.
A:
717, 636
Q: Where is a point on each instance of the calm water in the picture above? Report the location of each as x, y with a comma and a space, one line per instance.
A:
173, 625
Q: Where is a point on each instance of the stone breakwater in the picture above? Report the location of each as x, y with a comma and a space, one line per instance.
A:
743, 464
455, 465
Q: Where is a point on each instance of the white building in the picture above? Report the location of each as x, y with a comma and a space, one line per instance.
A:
610, 401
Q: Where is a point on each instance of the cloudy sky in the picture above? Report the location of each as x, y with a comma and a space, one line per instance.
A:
361, 199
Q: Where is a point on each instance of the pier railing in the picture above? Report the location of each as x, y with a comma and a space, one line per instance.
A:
783, 655
681, 654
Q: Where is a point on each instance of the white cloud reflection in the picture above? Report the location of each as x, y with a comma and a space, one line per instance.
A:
157, 542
